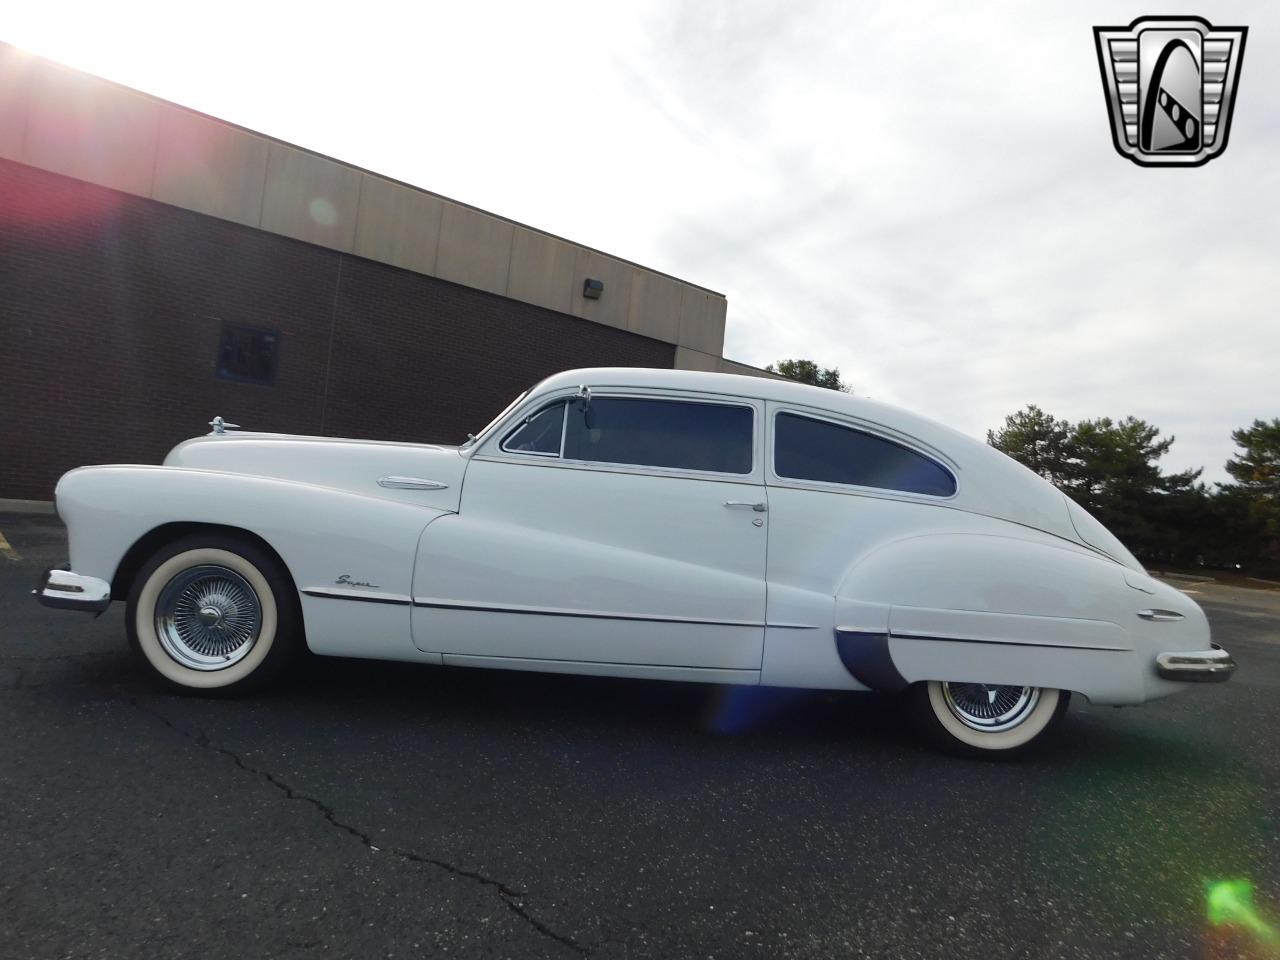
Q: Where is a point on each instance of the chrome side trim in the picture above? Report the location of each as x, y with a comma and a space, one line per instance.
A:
604, 668
440, 604
1160, 616
364, 596
1198, 666
367, 597
64, 590
1007, 643
411, 483
557, 463
1131, 579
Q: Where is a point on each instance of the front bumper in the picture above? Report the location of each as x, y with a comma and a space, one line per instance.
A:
1198, 666
65, 590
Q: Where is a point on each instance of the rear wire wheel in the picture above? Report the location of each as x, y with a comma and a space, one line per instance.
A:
986, 719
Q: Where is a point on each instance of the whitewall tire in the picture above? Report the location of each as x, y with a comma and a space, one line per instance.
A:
213, 613
989, 720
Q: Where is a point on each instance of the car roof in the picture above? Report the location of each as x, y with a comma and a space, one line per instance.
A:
990, 482
764, 388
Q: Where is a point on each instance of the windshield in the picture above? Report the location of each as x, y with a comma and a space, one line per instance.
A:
473, 437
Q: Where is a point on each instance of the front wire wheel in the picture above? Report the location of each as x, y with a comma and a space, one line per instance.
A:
214, 614
986, 719
208, 617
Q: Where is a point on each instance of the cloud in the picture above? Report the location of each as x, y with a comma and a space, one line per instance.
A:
937, 209
924, 195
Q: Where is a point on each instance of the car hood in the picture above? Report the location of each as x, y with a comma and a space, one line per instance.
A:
355, 465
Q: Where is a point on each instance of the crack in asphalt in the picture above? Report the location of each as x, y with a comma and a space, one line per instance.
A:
509, 895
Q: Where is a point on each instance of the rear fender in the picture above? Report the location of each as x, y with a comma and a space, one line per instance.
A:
991, 609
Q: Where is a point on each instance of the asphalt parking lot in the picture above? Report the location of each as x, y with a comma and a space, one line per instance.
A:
380, 810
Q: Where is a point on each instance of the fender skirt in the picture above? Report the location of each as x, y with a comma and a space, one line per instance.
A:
866, 656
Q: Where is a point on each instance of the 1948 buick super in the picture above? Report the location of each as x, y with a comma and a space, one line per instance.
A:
641, 523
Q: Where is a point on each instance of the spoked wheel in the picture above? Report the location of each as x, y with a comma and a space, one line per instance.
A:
208, 617
989, 707
215, 614
986, 719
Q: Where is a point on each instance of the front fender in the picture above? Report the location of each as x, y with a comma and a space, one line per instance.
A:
320, 533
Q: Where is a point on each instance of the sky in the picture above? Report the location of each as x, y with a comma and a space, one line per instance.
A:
924, 195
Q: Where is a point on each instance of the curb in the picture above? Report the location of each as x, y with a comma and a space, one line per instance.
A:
27, 506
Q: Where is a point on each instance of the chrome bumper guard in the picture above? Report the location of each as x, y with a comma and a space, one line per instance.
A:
65, 590
1197, 666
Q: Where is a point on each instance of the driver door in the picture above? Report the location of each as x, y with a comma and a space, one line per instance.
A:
629, 528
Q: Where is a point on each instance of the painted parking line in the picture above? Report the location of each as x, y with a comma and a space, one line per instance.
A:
7, 551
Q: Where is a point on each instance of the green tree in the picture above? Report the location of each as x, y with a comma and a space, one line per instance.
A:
1254, 498
1112, 462
806, 371
1257, 469
1111, 469
1036, 440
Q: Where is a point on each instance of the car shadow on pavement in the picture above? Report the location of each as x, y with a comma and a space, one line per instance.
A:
865, 723
534, 699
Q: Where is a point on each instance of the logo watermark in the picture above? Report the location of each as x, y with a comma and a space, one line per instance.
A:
1170, 84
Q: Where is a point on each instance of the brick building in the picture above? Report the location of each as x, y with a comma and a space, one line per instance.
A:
158, 266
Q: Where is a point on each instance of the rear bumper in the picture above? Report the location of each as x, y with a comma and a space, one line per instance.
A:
1197, 666
64, 590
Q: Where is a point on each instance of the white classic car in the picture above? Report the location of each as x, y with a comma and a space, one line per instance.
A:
641, 523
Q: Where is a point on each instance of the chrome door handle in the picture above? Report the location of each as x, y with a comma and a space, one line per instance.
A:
747, 505
1160, 615
411, 483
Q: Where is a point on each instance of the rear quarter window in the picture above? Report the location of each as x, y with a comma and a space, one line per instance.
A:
817, 450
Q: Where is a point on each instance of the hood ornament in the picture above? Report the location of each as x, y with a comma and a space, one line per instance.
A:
221, 426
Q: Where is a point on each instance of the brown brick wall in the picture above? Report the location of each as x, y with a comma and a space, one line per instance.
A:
111, 307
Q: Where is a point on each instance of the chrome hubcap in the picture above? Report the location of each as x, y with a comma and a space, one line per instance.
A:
990, 707
208, 617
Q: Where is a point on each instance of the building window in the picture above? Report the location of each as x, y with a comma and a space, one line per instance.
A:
248, 354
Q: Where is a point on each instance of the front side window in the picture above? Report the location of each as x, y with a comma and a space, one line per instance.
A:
808, 449
676, 434
539, 433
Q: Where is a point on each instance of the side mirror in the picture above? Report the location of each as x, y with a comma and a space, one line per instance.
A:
583, 400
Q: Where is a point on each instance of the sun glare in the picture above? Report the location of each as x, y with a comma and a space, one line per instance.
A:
1229, 906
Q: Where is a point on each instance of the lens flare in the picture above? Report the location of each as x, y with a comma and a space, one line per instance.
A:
738, 709
1229, 903
323, 212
